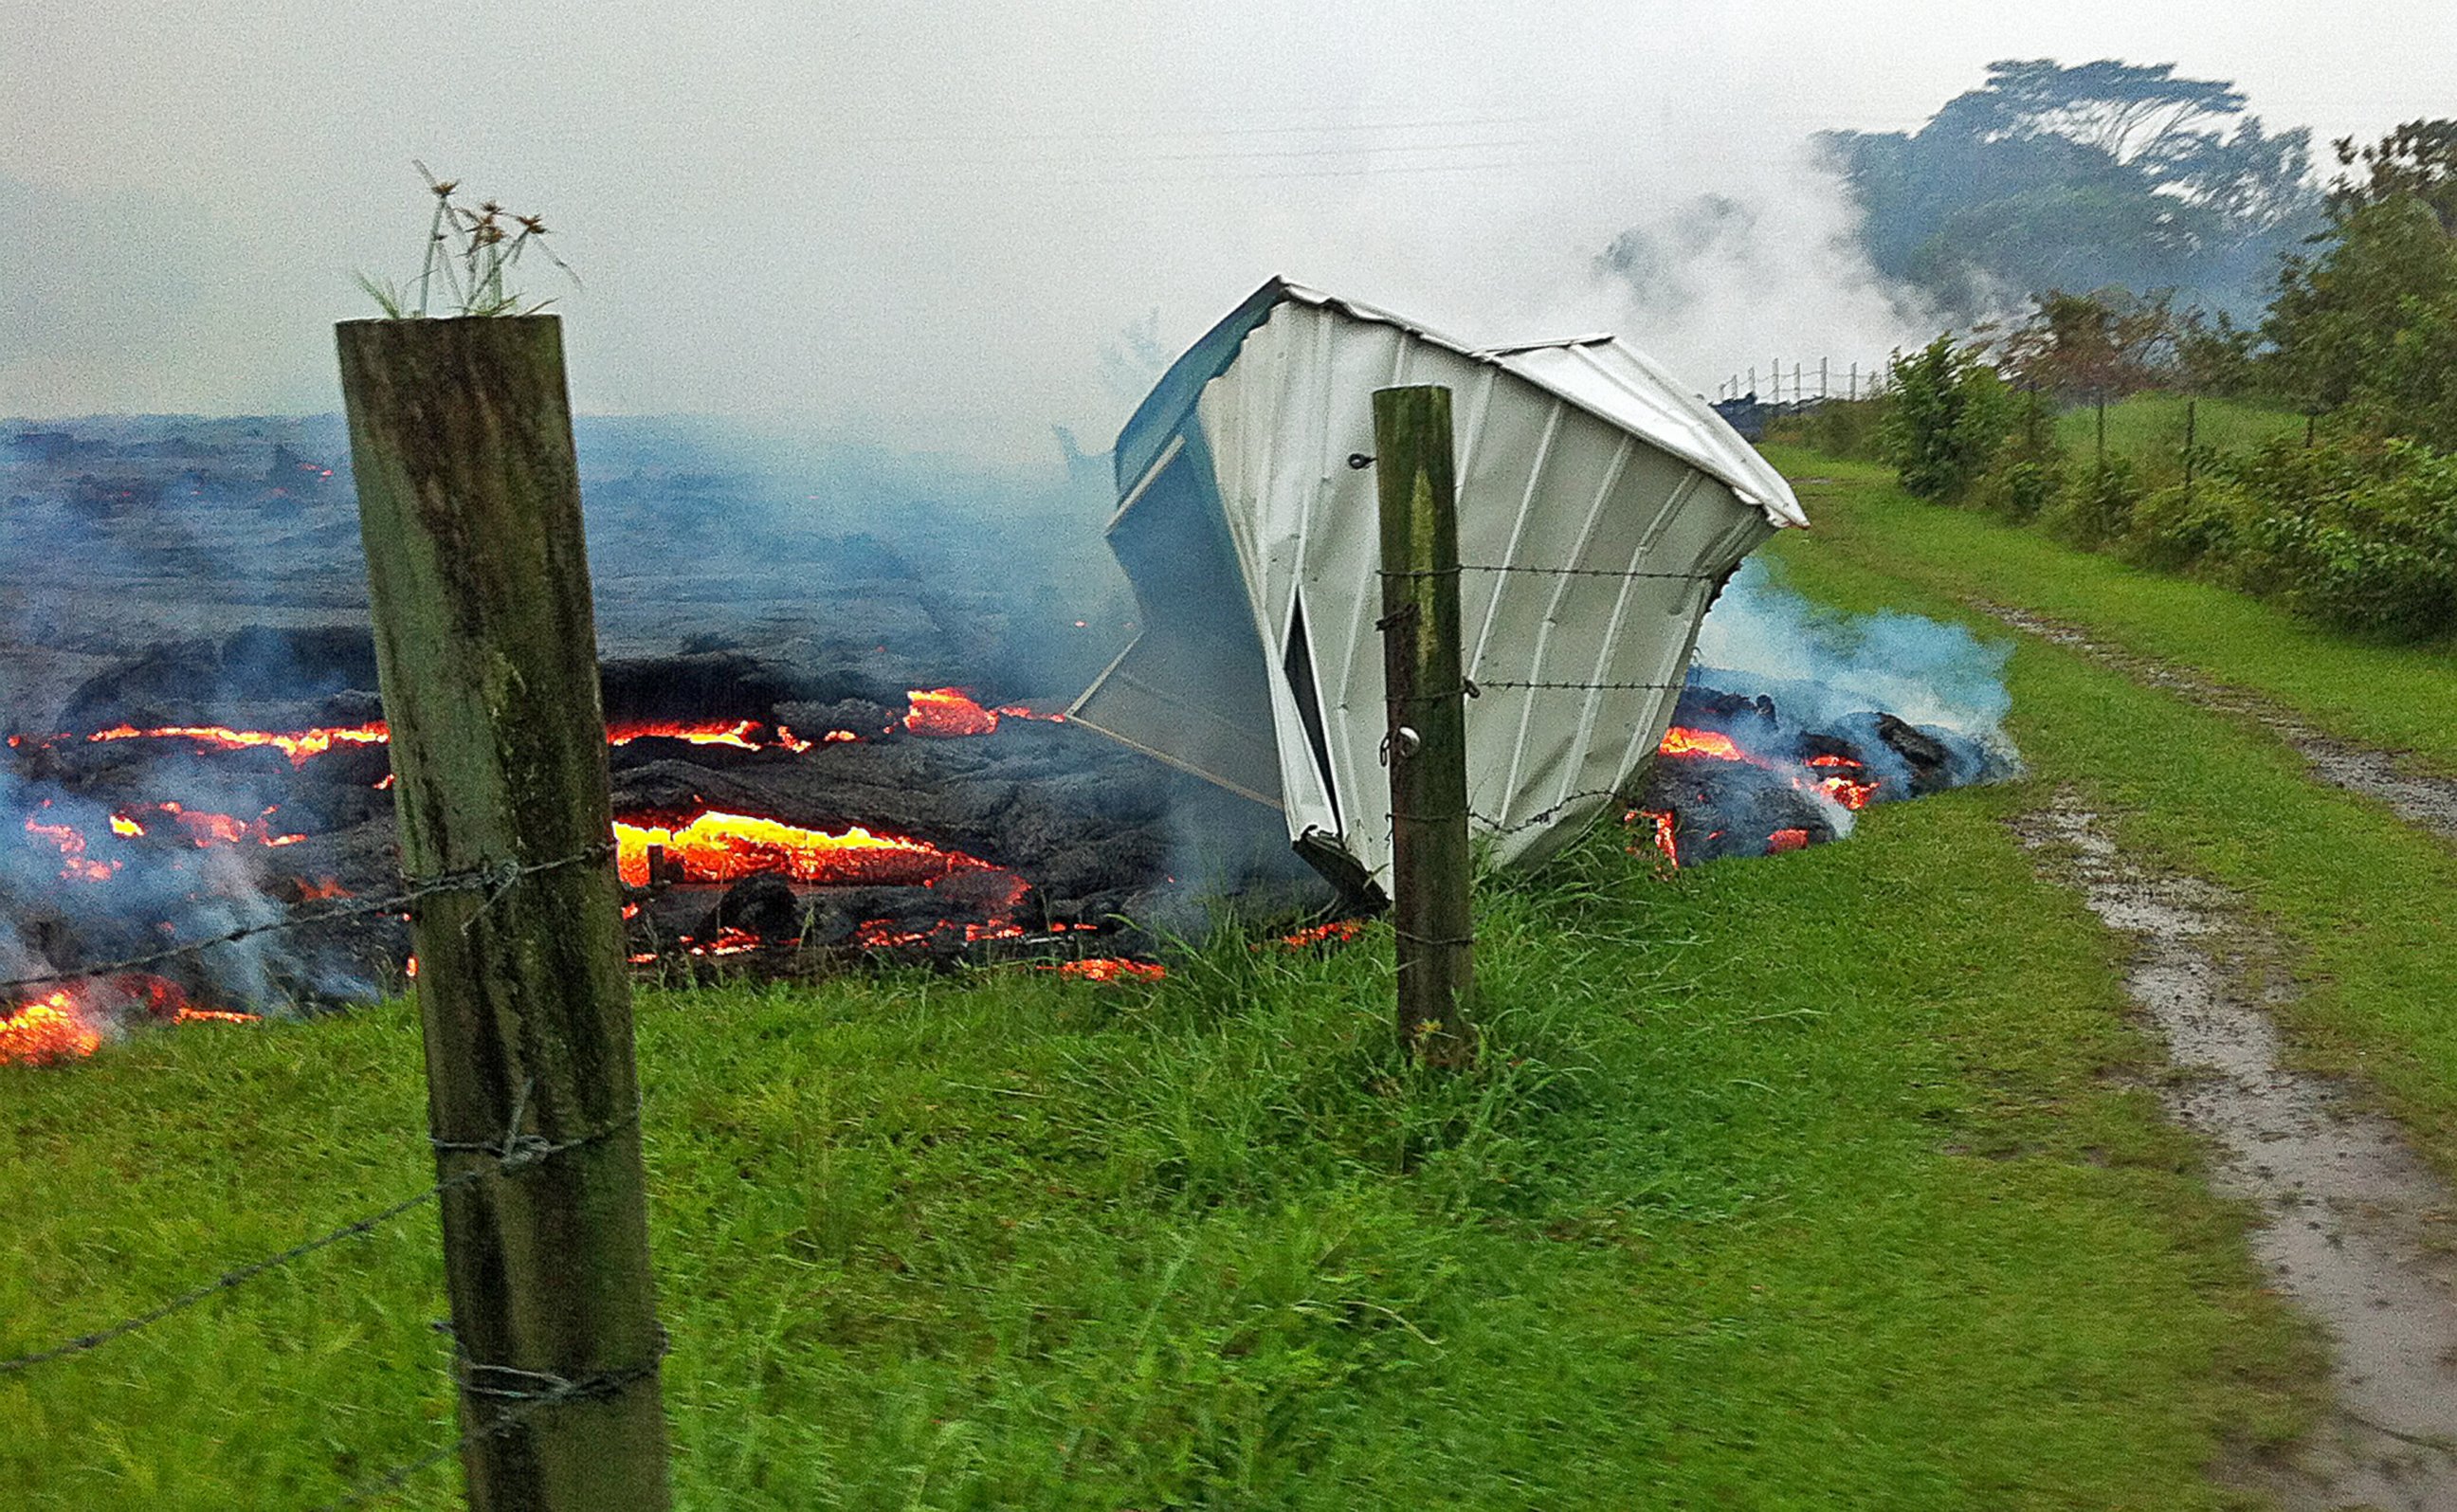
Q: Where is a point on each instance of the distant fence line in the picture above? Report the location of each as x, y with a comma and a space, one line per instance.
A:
1804, 383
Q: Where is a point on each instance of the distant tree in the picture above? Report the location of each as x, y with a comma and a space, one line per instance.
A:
2418, 158
2108, 173
2108, 343
2370, 321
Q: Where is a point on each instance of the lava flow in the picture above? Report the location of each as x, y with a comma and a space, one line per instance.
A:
720, 847
299, 745
743, 734
75, 865
1679, 741
1109, 968
199, 827
1848, 785
72, 1021
1702, 807
941, 711
1666, 840
947, 712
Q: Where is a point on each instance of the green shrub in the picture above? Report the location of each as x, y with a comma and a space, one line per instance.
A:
2095, 507
1848, 428
1946, 414
2388, 589
2018, 489
2360, 535
2179, 528
2029, 468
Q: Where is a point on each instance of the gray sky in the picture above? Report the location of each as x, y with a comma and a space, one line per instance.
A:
925, 223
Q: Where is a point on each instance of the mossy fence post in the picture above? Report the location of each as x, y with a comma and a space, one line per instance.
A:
1426, 724
485, 643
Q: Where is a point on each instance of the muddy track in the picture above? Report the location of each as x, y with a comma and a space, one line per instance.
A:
2354, 1229
2427, 800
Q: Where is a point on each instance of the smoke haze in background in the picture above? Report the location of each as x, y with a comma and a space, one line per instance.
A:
926, 227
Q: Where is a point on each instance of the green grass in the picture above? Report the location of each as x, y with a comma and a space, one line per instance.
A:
2359, 903
2150, 425
1825, 1181
2403, 698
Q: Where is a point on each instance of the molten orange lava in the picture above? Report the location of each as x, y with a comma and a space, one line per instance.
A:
1679, 740
743, 734
934, 712
730, 941
204, 829
72, 1021
719, 847
1665, 821
947, 712
1783, 841
1854, 791
740, 734
884, 934
1338, 931
75, 865
47, 1030
1109, 968
297, 745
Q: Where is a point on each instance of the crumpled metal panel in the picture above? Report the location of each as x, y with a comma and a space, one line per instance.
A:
1600, 506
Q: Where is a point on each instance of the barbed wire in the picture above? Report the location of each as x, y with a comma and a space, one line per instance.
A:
1592, 687
493, 877
1496, 827
514, 1152
1546, 571
525, 1403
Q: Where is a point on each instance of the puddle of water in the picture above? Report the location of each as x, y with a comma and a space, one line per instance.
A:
2355, 1227
2427, 802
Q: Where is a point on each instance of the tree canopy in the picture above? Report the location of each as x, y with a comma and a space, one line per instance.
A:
2100, 173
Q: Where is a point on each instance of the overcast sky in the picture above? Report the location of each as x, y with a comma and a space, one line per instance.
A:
926, 222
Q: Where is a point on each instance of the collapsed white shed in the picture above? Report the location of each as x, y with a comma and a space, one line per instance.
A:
1601, 507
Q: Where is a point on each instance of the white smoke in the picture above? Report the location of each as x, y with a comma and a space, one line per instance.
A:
1832, 665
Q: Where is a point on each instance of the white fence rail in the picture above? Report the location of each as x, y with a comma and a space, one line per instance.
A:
1805, 382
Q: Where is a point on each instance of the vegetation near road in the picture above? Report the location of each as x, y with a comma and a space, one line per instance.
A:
2357, 900
1828, 1180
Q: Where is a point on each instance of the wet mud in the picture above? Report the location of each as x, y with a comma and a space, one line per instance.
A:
2354, 1229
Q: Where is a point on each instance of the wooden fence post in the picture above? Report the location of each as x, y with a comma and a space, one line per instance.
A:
2192, 415
487, 649
1426, 706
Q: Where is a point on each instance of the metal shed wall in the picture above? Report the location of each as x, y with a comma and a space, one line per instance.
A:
1614, 500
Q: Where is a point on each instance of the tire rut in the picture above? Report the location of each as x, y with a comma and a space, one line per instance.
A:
2425, 801
2354, 1229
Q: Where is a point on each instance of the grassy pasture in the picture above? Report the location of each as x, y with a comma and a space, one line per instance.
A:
1822, 1181
2150, 425
1835, 1179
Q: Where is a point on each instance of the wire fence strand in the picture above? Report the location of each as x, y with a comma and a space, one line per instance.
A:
524, 1402
492, 877
1534, 571
511, 1153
